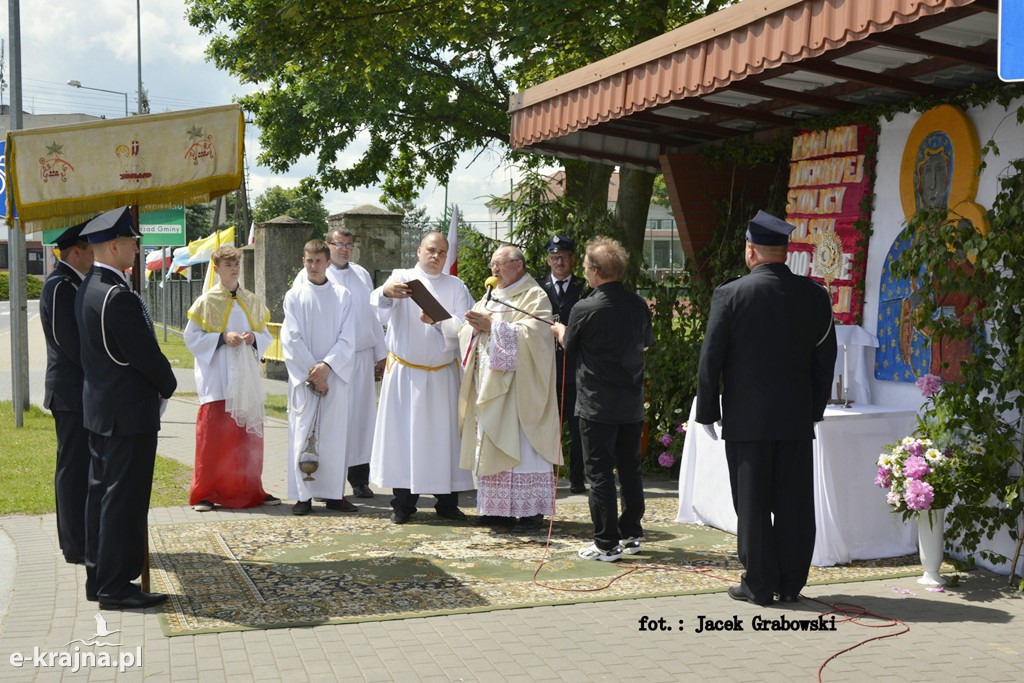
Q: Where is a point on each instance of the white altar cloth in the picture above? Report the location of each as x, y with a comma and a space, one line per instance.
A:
852, 518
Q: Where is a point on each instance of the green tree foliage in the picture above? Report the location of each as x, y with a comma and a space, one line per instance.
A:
299, 203
198, 221
418, 83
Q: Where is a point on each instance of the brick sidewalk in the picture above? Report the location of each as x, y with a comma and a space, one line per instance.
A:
973, 631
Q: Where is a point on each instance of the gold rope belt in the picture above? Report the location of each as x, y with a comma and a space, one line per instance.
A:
392, 359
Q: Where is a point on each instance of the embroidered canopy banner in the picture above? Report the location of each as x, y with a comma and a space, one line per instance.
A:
62, 175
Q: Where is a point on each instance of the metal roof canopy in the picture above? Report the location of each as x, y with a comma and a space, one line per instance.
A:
757, 66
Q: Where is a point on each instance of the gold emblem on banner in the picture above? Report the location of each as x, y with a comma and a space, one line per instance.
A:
828, 255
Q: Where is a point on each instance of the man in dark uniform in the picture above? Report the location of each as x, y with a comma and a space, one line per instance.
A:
771, 347
564, 290
126, 379
609, 332
63, 389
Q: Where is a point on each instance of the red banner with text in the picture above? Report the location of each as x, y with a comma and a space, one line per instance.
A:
827, 184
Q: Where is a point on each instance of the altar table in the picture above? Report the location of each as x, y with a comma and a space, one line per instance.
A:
853, 520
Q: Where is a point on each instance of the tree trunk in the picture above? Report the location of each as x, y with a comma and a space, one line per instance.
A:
586, 187
635, 189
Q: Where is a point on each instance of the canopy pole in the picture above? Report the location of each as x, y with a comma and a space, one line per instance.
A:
18, 291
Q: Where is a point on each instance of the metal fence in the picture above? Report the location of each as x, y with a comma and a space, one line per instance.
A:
169, 301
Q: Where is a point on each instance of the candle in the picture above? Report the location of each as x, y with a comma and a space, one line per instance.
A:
846, 374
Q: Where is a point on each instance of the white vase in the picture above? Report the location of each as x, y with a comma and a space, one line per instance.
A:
930, 526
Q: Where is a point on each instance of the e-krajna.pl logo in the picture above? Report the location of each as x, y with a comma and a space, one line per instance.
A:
78, 658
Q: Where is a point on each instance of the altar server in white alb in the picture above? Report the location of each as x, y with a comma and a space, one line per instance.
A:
319, 342
227, 333
416, 438
368, 363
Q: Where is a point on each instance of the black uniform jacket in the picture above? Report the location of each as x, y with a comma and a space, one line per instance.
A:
125, 372
63, 383
770, 348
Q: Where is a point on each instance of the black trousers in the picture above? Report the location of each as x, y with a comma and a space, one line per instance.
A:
773, 479
609, 448
405, 501
568, 407
71, 483
359, 475
120, 483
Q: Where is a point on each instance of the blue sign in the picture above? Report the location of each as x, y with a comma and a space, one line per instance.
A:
1011, 40
3, 178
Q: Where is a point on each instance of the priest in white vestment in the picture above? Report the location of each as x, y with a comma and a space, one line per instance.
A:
319, 341
368, 362
508, 406
227, 333
416, 436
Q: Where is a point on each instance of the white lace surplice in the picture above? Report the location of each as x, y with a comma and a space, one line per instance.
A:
526, 489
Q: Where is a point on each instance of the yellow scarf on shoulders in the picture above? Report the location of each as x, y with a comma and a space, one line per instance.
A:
211, 310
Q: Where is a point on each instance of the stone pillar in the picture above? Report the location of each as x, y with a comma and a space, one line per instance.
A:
378, 239
277, 258
248, 276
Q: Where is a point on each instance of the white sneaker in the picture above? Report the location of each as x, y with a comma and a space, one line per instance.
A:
592, 552
631, 545
203, 506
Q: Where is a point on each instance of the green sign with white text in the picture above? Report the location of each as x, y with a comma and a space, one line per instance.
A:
159, 229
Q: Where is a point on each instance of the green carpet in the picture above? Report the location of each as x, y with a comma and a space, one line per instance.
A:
337, 568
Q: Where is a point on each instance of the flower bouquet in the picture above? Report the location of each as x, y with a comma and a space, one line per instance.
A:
918, 476
672, 443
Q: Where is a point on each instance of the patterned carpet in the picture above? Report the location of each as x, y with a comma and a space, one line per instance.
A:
333, 568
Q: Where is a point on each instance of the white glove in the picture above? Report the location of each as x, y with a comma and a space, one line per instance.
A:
163, 406
710, 429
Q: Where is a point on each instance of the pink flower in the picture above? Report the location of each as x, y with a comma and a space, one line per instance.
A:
915, 467
929, 384
919, 495
882, 479
892, 498
915, 448
665, 440
666, 459
681, 428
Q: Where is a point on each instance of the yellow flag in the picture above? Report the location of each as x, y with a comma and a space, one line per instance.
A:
202, 250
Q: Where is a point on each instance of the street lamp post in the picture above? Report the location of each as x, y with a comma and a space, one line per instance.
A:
78, 84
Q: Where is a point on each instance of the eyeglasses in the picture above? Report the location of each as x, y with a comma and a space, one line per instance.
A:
500, 263
559, 258
342, 245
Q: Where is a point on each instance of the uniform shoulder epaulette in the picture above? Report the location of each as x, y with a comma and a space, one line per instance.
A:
732, 279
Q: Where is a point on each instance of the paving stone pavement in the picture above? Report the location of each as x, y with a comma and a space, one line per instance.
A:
972, 631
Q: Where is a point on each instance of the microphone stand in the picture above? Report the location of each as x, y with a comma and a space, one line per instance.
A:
516, 308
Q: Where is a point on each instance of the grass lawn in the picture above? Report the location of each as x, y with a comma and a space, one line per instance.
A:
28, 456
174, 348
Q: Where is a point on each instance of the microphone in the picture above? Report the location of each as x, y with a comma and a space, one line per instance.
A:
490, 283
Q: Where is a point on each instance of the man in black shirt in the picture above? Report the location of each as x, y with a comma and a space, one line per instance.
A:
608, 332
